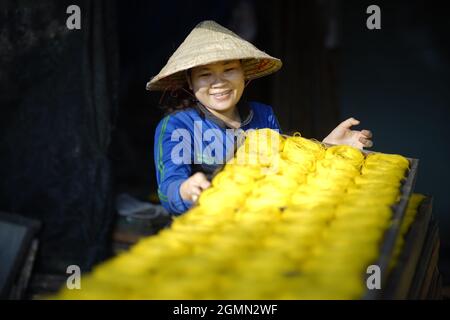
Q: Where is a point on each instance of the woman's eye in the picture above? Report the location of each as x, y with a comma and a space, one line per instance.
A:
205, 74
229, 69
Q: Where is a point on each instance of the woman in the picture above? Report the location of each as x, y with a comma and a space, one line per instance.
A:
207, 75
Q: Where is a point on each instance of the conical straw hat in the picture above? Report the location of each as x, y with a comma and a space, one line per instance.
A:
208, 43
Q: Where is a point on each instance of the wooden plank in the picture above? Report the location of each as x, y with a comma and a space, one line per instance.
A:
435, 291
19, 288
401, 278
427, 283
16, 239
393, 232
426, 259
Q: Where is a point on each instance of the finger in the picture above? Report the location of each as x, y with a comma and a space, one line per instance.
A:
365, 142
349, 122
201, 180
205, 184
199, 176
195, 193
367, 133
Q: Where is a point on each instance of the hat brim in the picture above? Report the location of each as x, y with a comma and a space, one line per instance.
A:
253, 68
209, 43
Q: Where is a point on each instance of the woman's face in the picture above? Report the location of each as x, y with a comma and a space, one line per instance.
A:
218, 86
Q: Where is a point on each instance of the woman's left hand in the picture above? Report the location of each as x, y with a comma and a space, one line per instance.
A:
342, 134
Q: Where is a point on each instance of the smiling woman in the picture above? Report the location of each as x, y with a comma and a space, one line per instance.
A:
206, 77
219, 87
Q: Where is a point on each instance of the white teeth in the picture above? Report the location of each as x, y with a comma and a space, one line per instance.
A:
221, 94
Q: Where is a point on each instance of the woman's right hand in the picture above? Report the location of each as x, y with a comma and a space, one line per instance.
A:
192, 187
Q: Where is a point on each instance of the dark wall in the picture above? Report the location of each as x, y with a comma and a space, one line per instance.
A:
58, 99
304, 91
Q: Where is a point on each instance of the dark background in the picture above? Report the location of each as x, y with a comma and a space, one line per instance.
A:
76, 124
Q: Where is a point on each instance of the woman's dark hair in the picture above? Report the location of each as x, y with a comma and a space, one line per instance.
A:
175, 100
178, 99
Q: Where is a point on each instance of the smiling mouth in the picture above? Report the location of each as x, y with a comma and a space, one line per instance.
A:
218, 95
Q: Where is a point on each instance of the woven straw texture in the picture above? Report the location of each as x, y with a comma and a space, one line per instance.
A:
208, 43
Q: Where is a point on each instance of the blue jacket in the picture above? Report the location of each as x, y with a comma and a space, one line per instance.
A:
194, 140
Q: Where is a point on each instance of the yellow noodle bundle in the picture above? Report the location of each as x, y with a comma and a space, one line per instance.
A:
302, 151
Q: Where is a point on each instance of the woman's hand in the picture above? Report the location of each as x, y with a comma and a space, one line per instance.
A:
342, 134
192, 187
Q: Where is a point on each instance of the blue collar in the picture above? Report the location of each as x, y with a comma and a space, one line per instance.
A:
244, 109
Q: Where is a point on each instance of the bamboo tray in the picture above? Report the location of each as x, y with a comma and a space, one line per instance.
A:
393, 232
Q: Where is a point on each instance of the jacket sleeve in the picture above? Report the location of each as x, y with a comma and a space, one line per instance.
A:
272, 120
170, 173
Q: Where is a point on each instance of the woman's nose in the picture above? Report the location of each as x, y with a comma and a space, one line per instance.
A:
218, 80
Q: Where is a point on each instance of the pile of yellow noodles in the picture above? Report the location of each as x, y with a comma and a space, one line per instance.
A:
287, 218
